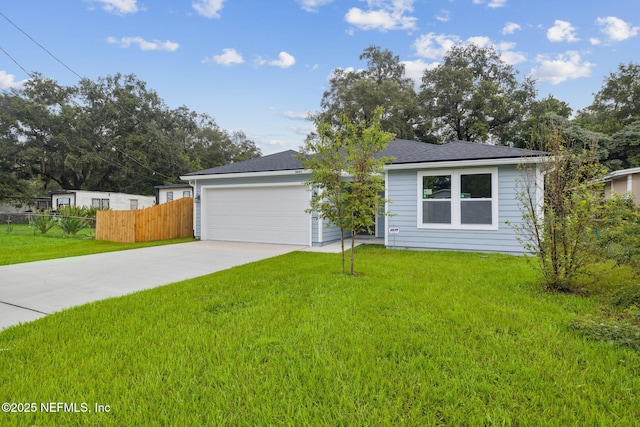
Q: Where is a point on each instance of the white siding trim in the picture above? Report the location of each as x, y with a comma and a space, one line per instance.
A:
246, 174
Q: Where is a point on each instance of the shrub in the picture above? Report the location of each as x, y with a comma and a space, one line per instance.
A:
619, 230
626, 296
73, 219
621, 330
43, 222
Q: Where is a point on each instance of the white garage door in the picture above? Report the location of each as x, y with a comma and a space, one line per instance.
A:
270, 214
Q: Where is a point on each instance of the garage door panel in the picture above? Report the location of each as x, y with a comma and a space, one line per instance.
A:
263, 214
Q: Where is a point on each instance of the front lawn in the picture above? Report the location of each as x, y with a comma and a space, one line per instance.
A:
419, 339
19, 244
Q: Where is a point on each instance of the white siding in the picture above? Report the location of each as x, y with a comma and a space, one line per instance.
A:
117, 201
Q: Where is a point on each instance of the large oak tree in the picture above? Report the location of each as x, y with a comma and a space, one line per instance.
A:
474, 96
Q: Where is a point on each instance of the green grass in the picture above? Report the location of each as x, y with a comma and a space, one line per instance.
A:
21, 245
418, 339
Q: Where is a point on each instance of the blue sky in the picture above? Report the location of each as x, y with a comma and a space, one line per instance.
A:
261, 66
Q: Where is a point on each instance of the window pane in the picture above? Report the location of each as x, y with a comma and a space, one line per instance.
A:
475, 186
436, 187
436, 212
476, 212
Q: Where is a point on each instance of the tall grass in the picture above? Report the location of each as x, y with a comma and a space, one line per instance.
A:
419, 338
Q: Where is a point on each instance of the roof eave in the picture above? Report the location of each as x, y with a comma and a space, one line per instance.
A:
245, 174
465, 163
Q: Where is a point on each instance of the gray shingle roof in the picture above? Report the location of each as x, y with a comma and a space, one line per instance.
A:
402, 150
282, 161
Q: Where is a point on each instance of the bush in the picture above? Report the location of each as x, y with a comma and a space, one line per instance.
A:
43, 222
626, 296
73, 219
619, 230
621, 330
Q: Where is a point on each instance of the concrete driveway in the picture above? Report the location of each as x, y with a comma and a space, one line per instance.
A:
32, 290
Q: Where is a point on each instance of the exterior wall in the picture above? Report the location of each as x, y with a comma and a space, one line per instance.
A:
403, 193
117, 201
619, 185
178, 193
623, 185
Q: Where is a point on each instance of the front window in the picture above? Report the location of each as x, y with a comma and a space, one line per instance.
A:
436, 196
100, 203
475, 199
169, 196
464, 199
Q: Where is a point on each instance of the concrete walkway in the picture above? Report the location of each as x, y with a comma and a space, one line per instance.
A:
32, 290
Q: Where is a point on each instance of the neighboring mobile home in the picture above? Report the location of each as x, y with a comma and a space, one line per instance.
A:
168, 193
456, 196
100, 199
623, 182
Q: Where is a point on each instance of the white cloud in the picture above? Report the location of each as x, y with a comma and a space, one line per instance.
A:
227, 57
480, 41
567, 66
510, 28
8, 81
562, 31
312, 5
208, 8
595, 41
285, 60
297, 115
383, 15
493, 3
143, 44
512, 58
302, 130
434, 46
443, 16
616, 29
497, 3
415, 69
120, 7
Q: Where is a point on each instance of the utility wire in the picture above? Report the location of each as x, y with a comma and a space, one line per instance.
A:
40, 46
14, 61
81, 78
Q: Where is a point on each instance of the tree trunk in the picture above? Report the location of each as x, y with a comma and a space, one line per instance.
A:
342, 243
353, 240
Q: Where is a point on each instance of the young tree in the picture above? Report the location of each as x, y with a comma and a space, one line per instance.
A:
346, 174
365, 168
560, 211
323, 156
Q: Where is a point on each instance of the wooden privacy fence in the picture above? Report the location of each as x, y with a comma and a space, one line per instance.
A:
170, 220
